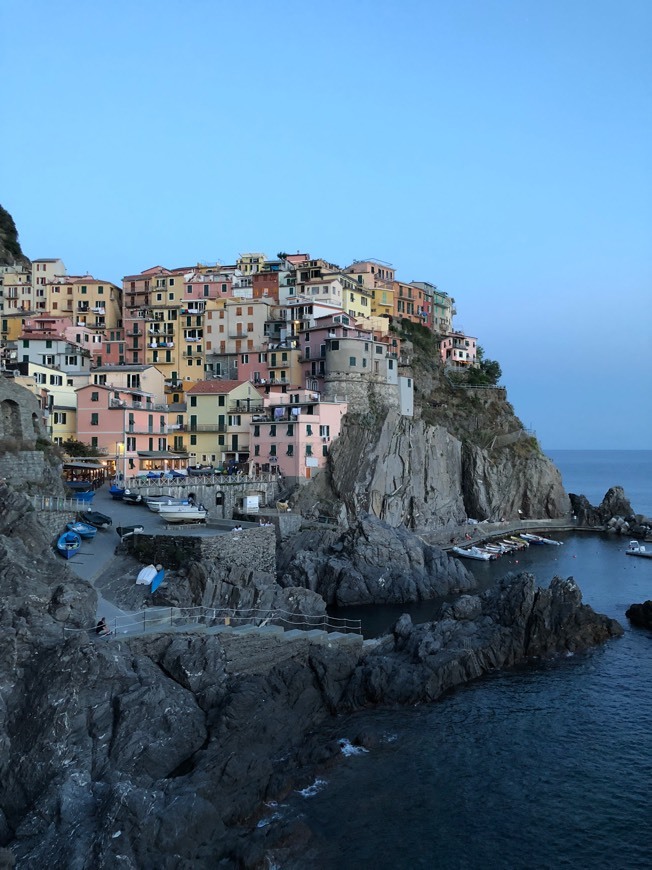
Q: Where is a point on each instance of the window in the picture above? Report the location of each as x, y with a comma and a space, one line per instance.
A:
193, 440
308, 429
95, 397
193, 401
352, 361
290, 450
324, 450
245, 358
95, 419
324, 431
308, 449
221, 401
335, 345
256, 449
290, 430
272, 450
220, 440
256, 431
94, 441
272, 430
235, 420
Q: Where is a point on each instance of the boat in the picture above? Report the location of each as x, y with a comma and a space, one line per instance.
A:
154, 502
95, 518
537, 539
474, 553
523, 544
152, 576
183, 513
125, 531
636, 549
84, 530
116, 491
85, 496
68, 544
198, 470
130, 497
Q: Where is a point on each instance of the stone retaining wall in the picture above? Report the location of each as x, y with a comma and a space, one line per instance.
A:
254, 549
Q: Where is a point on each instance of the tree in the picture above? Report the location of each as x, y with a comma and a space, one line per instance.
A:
487, 371
78, 448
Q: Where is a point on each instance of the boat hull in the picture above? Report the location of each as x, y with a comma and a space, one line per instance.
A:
95, 518
84, 530
68, 544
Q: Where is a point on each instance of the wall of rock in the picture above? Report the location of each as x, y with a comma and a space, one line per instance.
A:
255, 548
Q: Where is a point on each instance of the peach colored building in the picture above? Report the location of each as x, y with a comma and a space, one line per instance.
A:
458, 350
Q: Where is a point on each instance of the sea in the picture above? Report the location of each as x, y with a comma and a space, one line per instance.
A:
544, 766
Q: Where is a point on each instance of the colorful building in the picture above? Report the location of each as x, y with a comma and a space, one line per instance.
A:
219, 417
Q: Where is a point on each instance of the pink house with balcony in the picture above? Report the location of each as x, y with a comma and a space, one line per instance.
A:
127, 426
458, 350
294, 434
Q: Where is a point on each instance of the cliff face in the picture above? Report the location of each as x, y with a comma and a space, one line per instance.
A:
408, 472
10, 250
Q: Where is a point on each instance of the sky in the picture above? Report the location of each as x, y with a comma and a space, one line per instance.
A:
500, 149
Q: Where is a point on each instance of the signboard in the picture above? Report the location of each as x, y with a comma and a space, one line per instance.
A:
250, 504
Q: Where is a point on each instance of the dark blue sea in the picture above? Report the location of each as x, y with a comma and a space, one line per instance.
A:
547, 766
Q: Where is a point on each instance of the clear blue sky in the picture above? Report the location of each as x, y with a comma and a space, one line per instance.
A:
498, 148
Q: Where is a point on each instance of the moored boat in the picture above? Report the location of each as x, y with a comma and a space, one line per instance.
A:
473, 553
130, 497
86, 496
116, 491
68, 544
537, 539
636, 549
84, 530
125, 531
523, 544
154, 502
183, 513
95, 518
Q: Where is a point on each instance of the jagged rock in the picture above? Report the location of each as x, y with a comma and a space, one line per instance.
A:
614, 507
373, 563
640, 614
510, 623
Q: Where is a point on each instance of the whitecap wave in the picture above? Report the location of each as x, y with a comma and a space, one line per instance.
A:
313, 789
347, 748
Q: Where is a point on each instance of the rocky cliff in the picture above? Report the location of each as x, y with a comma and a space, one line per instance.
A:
159, 751
10, 251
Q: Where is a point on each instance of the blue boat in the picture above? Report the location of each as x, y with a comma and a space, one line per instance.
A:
158, 579
84, 530
116, 491
68, 544
83, 496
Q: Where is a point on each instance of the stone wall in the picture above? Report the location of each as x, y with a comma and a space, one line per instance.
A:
253, 550
222, 497
20, 414
25, 467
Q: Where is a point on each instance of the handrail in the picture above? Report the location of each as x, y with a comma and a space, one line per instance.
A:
138, 622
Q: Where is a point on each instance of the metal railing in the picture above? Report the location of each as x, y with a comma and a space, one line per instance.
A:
59, 503
153, 620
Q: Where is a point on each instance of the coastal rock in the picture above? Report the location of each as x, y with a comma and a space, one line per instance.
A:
640, 614
372, 563
614, 511
510, 623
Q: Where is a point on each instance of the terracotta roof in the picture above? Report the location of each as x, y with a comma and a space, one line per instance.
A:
214, 387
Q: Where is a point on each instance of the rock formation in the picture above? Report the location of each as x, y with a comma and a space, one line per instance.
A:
640, 614
371, 563
10, 250
614, 513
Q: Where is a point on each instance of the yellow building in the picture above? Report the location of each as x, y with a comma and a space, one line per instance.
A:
219, 417
248, 264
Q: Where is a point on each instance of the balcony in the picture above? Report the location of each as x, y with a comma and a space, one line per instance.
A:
99, 309
157, 345
117, 403
207, 427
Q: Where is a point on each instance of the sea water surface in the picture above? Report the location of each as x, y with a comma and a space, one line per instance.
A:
544, 766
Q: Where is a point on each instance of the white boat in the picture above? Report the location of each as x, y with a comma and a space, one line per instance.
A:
155, 502
183, 513
473, 553
636, 549
537, 539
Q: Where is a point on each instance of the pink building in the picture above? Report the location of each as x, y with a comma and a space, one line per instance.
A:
458, 350
127, 426
294, 434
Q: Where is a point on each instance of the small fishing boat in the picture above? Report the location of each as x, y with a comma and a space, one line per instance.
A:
183, 513
636, 549
68, 544
154, 502
95, 518
152, 576
130, 497
86, 496
537, 539
84, 530
474, 553
116, 491
125, 531
79, 485
199, 470
523, 544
